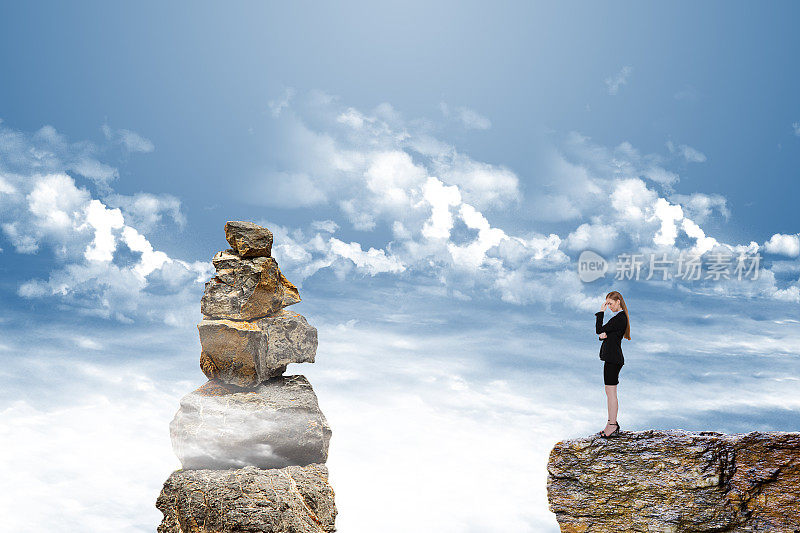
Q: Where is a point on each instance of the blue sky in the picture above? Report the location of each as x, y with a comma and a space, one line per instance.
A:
431, 174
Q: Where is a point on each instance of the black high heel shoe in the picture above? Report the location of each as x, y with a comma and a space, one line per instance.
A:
613, 433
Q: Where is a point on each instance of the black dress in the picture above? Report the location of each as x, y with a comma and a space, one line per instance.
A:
611, 349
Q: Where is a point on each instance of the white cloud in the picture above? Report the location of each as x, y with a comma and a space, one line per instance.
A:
450, 396
351, 117
89, 275
372, 261
788, 245
482, 185
796, 128
130, 140
687, 152
632, 200
101, 173
103, 221
392, 176
48, 152
668, 214
470, 119
56, 203
621, 162
325, 225
88, 343
279, 104
473, 255
613, 83
286, 190
73, 451
389, 174
700, 206
703, 243
599, 237
147, 211
150, 259
440, 197
6, 187
367, 164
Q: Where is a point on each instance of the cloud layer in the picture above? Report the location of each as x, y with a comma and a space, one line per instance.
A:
429, 208
104, 265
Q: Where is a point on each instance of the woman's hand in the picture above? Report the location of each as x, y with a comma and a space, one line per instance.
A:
604, 305
603, 335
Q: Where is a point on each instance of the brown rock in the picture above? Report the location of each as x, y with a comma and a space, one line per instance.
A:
248, 239
676, 481
276, 424
245, 289
245, 353
295, 499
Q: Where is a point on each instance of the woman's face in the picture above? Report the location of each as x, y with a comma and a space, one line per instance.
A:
614, 305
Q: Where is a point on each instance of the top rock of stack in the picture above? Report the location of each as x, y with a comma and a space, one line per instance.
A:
248, 239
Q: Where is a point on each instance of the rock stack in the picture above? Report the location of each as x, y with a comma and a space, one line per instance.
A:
252, 441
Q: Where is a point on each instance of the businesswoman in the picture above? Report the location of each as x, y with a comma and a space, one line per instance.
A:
611, 333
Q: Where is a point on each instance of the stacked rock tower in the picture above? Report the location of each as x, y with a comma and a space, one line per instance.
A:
252, 441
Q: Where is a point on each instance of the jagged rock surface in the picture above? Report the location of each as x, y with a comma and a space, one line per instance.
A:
245, 353
248, 239
676, 481
276, 424
294, 499
246, 288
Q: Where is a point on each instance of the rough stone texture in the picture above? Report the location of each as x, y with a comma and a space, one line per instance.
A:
248, 239
246, 353
276, 424
677, 481
245, 289
294, 499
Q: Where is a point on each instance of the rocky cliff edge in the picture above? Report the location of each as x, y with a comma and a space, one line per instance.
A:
676, 481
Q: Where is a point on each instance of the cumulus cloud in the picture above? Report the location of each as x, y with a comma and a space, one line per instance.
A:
384, 174
635, 217
365, 162
426, 245
372, 261
104, 265
103, 221
324, 225
95, 281
147, 211
600, 237
623, 161
700, 207
48, 151
387, 174
788, 245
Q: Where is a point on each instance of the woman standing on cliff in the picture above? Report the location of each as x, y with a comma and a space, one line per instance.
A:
611, 334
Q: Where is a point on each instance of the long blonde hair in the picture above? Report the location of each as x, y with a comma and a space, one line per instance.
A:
615, 295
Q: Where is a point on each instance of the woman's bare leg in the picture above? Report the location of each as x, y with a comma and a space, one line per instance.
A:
613, 407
